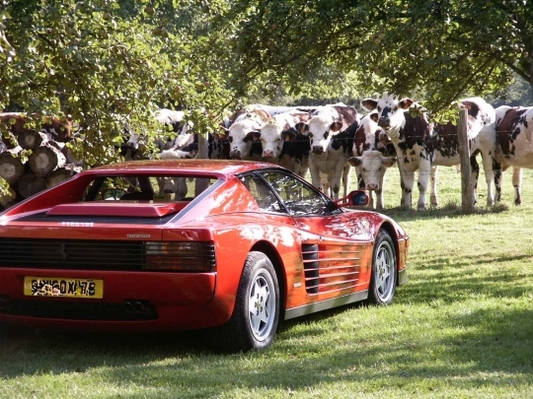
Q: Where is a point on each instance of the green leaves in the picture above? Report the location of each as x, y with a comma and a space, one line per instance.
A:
108, 64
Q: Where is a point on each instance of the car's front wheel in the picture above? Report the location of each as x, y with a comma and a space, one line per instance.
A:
383, 279
256, 315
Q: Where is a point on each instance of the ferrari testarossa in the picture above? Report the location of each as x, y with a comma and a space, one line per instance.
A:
169, 245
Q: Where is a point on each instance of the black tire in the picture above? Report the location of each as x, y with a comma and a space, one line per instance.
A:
257, 307
383, 279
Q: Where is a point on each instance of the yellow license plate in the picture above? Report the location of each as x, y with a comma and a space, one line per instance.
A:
63, 287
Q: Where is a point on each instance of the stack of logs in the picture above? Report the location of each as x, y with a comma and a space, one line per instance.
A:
49, 161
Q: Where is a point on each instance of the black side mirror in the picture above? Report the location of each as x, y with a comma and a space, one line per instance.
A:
354, 198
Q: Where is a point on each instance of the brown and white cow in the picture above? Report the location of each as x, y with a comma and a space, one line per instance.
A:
422, 146
371, 158
244, 132
331, 145
512, 139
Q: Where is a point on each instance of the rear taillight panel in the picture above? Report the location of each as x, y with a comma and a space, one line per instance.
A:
183, 256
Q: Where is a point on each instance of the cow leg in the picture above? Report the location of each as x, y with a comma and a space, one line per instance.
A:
379, 198
498, 177
324, 184
379, 193
408, 181
474, 169
403, 200
517, 184
346, 178
433, 181
424, 173
488, 167
335, 177
315, 175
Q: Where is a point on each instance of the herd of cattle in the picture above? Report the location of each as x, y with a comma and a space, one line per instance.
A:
325, 142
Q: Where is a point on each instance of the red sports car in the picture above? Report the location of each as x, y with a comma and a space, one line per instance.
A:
190, 244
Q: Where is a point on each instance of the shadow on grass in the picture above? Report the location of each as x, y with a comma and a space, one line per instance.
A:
488, 343
450, 210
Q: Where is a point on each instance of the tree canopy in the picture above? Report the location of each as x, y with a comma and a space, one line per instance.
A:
109, 64
440, 49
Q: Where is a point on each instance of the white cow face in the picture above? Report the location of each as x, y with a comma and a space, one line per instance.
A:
371, 166
320, 128
241, 134
271, 140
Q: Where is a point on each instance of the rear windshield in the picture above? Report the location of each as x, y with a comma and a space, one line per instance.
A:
146, 188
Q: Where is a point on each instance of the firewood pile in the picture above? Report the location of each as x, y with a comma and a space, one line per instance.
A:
31, 160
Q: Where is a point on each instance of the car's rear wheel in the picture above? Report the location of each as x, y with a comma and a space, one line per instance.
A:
383, 279
256, 315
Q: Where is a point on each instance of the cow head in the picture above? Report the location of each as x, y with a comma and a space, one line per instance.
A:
240, 137
390, 110
320, 128
271, 139
272, 133
371, 167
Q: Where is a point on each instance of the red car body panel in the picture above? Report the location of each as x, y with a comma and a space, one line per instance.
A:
226, 214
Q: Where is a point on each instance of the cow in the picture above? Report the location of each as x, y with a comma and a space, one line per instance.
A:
282, 143
331, 145
422, 146
177, 131
511, 137
245, 131
371, 158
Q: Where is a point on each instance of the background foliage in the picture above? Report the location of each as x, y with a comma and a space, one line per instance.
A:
109, 64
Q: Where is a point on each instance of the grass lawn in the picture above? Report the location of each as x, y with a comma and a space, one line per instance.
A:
461, 328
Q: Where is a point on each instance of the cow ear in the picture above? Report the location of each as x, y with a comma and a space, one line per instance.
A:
355, 161
374, 116
289, 134
254, 135
221, 134
369, 104
405, 103
388, 161
302, 127
335, 126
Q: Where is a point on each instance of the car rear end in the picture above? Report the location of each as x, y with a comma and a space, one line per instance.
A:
105, 277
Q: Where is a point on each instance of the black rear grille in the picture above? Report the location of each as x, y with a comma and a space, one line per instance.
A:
96, 255
131, 310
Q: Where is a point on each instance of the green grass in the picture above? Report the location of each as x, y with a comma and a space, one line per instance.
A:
461, 328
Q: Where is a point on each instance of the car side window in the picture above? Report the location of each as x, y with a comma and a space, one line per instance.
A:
299, 199
264, 196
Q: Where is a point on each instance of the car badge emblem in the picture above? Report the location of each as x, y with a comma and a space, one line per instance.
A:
62, 251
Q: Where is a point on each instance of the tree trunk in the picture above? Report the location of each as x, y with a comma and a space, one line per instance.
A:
10, 168
44, 160
60, 175
30, 139
30, 184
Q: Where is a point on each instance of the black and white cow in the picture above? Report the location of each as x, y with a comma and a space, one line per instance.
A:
331, 145
282, 143
512, 139
422, 146
371, 158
